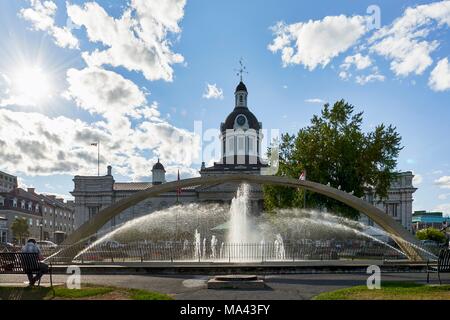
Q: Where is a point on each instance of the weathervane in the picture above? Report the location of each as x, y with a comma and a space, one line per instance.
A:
242, 69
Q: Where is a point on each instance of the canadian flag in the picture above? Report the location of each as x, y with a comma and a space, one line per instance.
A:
302, 175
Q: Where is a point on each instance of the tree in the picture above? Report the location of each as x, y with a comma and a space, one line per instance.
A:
335, 150
20, 229
431, 234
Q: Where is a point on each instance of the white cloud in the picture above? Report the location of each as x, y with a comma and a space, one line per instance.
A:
315, 43
34, 144
358, 60
443, 182
213, 92
405, 42
138, 40
41, 14
440, 76
344, 75
362, 80
315, 100
417, 180
100, 91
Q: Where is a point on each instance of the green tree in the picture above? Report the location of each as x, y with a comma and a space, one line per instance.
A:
431, 234
20, 228
335, 150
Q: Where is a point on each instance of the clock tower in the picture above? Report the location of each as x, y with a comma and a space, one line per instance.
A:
240, 137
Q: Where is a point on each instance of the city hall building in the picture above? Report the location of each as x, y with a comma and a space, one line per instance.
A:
240, 136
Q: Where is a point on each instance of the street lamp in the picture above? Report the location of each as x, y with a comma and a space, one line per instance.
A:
40, 226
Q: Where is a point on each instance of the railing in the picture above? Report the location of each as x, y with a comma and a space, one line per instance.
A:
226, 253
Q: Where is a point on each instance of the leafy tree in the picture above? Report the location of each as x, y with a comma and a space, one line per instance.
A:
335, 150
431, 234
20, 229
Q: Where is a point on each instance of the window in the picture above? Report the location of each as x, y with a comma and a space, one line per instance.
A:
15, 203
391, 209
30, 205
22, 204
241, 98
2, 201
30, 222
92, 211
241, 144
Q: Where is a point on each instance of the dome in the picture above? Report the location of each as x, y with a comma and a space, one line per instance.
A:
158, 166
232, 118
241, 87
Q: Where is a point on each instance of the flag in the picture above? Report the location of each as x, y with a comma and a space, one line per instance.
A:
94, 144
302, 175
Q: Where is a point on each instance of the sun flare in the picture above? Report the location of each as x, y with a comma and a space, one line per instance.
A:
31, 85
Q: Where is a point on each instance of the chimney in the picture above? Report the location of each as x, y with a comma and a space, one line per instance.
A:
30, 190
109, 171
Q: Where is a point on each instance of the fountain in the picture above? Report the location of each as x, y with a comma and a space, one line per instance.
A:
181, 233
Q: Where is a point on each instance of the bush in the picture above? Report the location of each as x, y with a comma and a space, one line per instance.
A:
431, 234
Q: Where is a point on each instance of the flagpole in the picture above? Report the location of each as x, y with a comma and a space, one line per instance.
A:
98, 158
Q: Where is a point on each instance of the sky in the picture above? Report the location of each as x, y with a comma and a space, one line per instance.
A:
154, 79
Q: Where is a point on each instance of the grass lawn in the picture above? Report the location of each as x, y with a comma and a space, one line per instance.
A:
390, 291
87, 292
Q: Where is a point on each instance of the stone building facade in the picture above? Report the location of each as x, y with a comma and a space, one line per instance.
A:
399, 202
48, 217
8, 182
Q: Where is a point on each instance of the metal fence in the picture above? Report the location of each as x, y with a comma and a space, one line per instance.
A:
221, 253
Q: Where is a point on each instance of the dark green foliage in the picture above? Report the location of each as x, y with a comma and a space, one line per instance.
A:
431, 234
334, 149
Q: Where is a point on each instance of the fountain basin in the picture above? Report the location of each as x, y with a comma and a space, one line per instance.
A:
236, 282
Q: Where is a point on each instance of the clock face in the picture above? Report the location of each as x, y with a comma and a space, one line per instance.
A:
240, 120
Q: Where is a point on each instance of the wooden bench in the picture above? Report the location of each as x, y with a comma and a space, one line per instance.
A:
22, 263
443, 265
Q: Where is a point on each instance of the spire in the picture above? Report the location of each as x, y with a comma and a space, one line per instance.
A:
242, 69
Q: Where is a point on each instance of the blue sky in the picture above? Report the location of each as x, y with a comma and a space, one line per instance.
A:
322, 51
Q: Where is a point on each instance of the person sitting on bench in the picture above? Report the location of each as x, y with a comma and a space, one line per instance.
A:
32, 247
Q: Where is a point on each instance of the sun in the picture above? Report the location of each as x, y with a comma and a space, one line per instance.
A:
31, 85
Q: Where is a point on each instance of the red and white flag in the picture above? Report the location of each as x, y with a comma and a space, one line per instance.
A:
302, 175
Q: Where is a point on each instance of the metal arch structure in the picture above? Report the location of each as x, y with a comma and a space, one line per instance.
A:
402, 237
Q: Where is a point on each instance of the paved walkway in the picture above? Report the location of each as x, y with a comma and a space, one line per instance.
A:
297, 287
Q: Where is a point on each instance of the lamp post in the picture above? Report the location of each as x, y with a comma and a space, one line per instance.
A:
40, 226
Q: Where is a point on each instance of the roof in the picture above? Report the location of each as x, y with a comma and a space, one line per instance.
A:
427, 213
138, 186
253, 122
430, 219
158, 166
235, 167
131, 186
241, 87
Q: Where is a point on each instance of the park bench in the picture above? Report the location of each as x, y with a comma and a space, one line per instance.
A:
443, 265
22, 263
